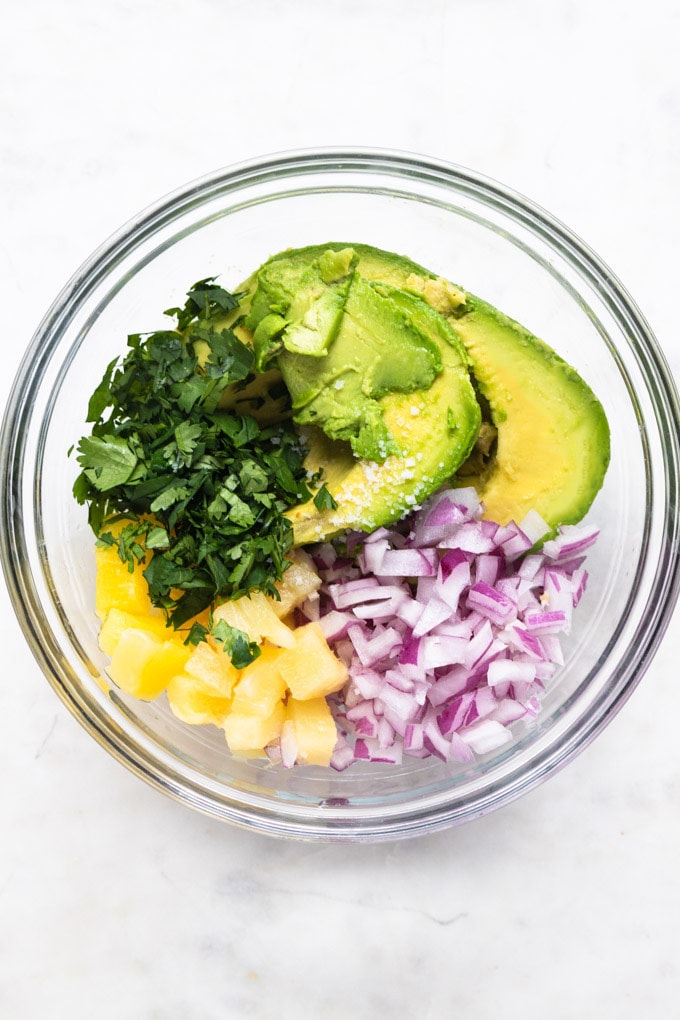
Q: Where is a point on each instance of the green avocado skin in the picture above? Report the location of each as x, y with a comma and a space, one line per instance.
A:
557, 470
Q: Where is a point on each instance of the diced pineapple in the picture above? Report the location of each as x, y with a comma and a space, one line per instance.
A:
314, 728
261, 685
117, 587
212, 666
194, 702
142, 664
247, 733
118, 620
254, 615
299, 581
311, 669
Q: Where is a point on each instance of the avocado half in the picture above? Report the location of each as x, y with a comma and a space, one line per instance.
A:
552, 444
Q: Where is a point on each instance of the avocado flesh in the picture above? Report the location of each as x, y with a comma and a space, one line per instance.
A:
378, 349
553, 441
390, 429
553, 437
435, 429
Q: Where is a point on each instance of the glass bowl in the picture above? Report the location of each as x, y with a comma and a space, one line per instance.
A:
466, 228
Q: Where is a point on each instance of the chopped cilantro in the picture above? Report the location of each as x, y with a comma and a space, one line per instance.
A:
324, 501
203, 489
236, 643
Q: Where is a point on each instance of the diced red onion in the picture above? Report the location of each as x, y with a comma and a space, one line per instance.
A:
413, 737
352, 593
409, 611
434, 613
546, 623
369, 749
534, 527
579, 580
371, 556
485, 735
335, 624
508, 670
572, 540
450, 626
530, 566
288, 744
488, 567
440, 650
516, 543
471, 538
459, 750
435, 741
343, 754
398, 679
457, 681
508, 710
492, 603
453, 578
409, 563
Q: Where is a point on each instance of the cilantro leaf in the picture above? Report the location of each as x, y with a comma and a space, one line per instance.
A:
324, 501
107, 461
236, 643
173, 494
187, 436
204, 299
197, 633
158, 538
101, 397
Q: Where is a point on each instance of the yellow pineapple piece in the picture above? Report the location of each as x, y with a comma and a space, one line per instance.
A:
299, 581
117, 587
260, 686
311, 669
314, 730
118, 620
143, 665
196, 703
213, 668
247, 733
254, 615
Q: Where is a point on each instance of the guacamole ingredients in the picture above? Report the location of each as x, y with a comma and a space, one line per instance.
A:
336, 403
449, 626
203, 489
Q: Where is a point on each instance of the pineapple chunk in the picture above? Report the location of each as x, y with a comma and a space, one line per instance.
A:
247, 733
213, 668
261, 685
299, 581
118, 620
314, 729
254, 615
196, 703
117, 587
142, 664
311, 669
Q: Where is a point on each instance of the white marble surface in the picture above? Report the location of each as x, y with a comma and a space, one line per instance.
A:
117, 903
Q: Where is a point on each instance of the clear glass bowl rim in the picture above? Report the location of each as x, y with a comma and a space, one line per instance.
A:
403, 166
